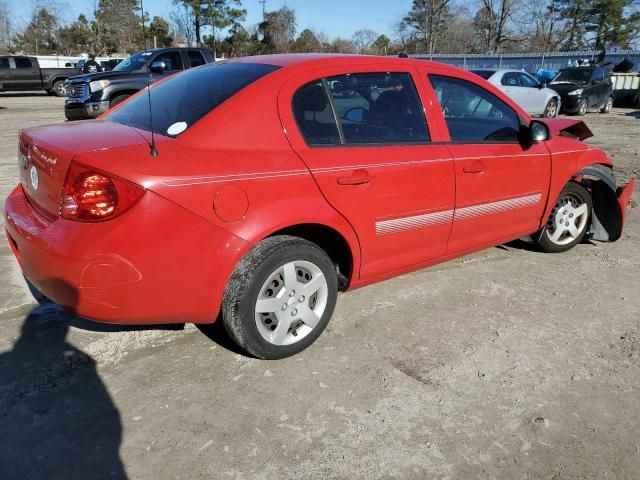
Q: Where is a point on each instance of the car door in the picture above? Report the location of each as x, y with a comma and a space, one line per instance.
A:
536, 97
501, 183
363, 135
25, 75
510, 84
172, 61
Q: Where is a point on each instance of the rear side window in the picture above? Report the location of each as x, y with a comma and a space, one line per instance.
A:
4, 63
181, 101
378, 108
22, 62
474, 115
172, 61
510, 79
195, 58
313, 115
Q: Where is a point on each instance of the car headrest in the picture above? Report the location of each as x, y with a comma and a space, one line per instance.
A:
311, 99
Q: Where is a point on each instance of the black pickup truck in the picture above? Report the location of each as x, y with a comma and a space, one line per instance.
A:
93, 94
18, 74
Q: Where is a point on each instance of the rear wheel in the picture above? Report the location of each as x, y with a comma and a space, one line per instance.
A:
116, 100
569, 220
607, 105
280, 297
551, 110
59, 89
582, 107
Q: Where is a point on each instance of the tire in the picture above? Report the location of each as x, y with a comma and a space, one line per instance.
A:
583, 106
551, 110
608, 104
59, 90
569, 220
116, 100
274, 274
37, 294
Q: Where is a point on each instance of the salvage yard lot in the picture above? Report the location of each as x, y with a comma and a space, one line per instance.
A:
507, 364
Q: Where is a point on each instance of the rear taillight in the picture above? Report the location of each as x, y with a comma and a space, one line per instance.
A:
91, 195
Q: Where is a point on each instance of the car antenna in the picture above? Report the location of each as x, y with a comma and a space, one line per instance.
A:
152, 146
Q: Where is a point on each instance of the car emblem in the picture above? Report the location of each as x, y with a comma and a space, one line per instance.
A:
34, 178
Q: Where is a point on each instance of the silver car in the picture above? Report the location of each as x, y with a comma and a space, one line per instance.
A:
525, 90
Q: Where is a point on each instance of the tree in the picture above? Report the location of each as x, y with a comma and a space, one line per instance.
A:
492, 22
363, 39
159, 32
5, 27
341, 45
239, 43
183, 21
40, 35
572, 13
117, 26
306, 42
428, 21
381, 45
609, 25
77, 37
278, 30
217, 14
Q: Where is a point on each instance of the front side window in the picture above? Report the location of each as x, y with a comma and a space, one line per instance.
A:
510, 79
378, 108
22, 62
527, 80
184, 99
4, 62
313, 115
474, 115
172, 61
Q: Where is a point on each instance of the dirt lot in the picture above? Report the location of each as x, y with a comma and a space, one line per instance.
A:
508, 364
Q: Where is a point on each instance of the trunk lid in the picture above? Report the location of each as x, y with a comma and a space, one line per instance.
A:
45, 153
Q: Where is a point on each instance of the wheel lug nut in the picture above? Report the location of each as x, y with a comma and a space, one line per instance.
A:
284, 307
292, 293
294, 312
566, 224
301, 299
571, 215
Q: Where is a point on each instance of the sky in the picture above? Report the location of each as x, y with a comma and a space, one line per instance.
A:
336, 18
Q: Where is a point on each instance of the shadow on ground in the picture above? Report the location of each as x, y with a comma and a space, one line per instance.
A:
58, 419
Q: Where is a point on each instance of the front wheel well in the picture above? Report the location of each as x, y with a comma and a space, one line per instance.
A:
331, 241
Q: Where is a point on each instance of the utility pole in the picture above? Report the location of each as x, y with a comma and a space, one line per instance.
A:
264, 9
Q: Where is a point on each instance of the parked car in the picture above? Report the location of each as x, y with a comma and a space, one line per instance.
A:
583, 89
93, 94
253, 191
19, 74
525, 90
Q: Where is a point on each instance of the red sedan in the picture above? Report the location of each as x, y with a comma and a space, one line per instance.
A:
255, 190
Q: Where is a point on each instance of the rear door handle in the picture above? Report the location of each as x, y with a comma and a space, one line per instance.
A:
359, 177
475, 167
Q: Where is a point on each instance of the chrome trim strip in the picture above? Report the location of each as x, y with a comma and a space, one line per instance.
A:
396, 225
466, 213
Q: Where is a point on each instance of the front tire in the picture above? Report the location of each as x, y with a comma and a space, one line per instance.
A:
280, 297
569, 220
551, 110
116, 100
583, 106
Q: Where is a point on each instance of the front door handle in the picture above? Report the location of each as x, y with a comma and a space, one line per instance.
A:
359, 177
475, 167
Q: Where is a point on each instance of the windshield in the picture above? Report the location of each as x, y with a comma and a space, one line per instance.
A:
484, 73
575, 75
134, 62
181, 101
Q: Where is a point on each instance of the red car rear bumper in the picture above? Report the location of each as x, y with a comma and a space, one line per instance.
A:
156, 263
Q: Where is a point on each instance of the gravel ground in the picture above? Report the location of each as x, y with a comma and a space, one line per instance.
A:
507, 364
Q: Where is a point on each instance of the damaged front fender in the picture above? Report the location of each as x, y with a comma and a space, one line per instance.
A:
609, 201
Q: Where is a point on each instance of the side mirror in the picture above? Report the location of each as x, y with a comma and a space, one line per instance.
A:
355, 115
538, 132
157, 66
542, 85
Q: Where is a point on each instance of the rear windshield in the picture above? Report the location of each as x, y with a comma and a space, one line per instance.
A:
484, 73
184, 99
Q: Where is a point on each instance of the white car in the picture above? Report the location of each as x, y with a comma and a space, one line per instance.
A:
534, 97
